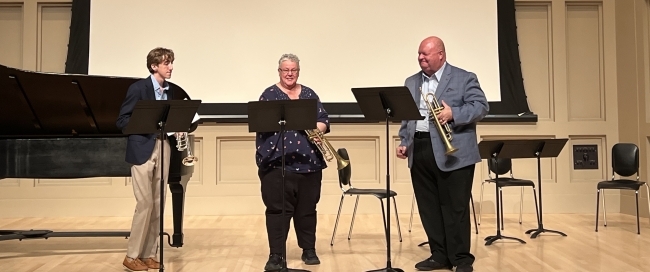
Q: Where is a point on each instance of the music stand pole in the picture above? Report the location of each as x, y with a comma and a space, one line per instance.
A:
493, 150
161, 125
386, 104
162, 116
547, 148
491, 239
265, 116
389, 267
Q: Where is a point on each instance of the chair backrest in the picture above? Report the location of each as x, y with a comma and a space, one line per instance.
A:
625, 160
345, 174
500, 166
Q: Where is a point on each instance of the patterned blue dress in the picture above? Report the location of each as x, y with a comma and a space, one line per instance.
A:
301, 155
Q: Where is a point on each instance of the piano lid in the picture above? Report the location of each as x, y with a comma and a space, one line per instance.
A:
43, 105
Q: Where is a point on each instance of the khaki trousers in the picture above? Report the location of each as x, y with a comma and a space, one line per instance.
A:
145, 228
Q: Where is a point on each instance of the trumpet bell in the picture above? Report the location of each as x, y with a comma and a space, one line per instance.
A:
326, 148
189, 160
340, 164
450, 150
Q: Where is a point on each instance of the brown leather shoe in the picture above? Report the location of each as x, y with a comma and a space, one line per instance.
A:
151, 263
134, 264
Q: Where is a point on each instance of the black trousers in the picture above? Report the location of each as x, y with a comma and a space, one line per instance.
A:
302, 193
443, 202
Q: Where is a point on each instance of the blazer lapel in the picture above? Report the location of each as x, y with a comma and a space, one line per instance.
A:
150, 91
444, 81
417, 95
417, 89
170, 93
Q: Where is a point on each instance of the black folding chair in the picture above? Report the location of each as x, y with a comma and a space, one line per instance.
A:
625, 163
345, 184
502, 166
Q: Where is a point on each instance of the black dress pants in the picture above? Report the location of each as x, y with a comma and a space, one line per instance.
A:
302, 193
443, 202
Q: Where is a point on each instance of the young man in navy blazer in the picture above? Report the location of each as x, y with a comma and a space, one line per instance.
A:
143, 152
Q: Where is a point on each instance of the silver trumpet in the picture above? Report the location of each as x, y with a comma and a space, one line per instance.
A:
181, 145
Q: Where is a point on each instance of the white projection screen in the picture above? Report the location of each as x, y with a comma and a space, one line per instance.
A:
227, 51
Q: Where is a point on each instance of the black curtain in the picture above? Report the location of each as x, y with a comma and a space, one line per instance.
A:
513, 94
78, 44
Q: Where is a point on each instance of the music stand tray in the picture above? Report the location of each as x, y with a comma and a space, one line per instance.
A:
519, 149
387, 104
272, 116
537, 148
279, 116
162, 116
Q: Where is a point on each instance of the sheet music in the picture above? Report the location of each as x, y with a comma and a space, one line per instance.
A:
196, 118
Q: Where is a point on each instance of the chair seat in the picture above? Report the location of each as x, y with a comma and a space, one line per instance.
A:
380, 193
628, 184
505, 182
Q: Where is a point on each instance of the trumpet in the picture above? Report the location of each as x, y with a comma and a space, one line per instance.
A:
181, 145
326, 148
445, 133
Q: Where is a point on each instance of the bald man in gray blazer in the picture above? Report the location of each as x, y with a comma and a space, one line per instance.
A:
443, 183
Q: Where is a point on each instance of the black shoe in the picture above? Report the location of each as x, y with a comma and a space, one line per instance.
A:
309, 256
430, 264
274, 263
464, 268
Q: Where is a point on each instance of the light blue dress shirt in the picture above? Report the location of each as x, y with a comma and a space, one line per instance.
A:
429, 85
161, 93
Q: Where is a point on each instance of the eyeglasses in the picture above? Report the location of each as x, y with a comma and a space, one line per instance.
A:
286, 71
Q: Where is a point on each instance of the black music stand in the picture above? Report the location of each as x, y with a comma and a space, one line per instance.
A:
492, 150
161, 117
386, 104
282, 115
536, 148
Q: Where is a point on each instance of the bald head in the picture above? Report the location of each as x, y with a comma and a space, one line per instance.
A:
431, 54
433, 42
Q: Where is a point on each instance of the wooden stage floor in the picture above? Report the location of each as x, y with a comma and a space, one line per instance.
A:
238, 243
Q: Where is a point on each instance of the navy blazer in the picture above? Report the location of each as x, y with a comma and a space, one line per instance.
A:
140, 146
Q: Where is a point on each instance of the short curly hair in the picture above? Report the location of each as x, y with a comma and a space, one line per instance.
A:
159, 55
290, 57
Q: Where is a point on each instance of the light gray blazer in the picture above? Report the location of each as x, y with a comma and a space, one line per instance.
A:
461, 91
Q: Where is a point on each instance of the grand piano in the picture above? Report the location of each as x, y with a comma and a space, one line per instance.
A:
62, 126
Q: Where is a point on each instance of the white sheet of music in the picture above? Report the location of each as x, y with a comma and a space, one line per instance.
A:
196, 118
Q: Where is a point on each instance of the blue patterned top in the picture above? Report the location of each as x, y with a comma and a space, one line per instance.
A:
302, 156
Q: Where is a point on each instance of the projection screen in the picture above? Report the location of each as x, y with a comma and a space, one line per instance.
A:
228, 51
